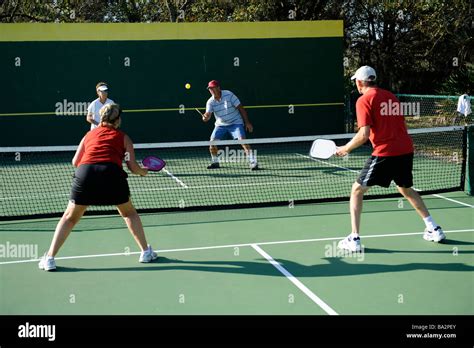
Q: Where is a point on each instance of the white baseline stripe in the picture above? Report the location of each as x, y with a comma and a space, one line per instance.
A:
455, 201
295, 281
175, 178
231, 246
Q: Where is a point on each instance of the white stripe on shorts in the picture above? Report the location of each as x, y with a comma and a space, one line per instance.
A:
369, 172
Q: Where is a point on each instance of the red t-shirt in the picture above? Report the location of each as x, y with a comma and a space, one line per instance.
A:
380, 110
103, 144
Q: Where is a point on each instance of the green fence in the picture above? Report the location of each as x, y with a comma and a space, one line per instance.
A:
434, 111
288, 75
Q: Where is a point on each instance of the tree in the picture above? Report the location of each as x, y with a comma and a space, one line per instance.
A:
459, 82
416, 46
411, 43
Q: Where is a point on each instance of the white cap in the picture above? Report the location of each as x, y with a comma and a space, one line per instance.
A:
363, 74
103, 88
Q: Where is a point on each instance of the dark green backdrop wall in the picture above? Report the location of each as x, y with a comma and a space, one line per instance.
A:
272, 73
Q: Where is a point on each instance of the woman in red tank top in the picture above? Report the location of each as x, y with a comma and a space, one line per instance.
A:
100, 180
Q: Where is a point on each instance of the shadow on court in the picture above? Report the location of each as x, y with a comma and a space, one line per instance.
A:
96, 222
335, 267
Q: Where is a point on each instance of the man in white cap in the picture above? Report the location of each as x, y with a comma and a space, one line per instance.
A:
392, 156
93, 116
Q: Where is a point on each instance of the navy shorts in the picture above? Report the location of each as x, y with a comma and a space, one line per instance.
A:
100, 184
382, 170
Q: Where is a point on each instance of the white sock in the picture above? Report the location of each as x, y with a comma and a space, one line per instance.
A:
429, 222
251, 158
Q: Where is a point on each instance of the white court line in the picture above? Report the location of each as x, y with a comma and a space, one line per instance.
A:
175, 178
455, 201
156, 189
232, 246
355, 171
295, 281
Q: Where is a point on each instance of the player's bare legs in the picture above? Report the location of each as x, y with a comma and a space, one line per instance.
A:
247, 149
214, 159
433, 232
70, 218
415, 200
251, 155
352, 242
356, 203
213, 150
134, 223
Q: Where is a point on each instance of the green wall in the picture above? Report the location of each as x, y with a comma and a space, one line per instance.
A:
271, 72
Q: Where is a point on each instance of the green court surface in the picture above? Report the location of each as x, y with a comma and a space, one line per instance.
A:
249, 261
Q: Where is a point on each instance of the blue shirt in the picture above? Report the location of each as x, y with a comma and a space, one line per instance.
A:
225, 110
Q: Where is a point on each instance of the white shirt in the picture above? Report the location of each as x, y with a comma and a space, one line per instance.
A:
94, 109
225, 110
464, 105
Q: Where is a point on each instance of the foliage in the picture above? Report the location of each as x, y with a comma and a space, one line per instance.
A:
416, 46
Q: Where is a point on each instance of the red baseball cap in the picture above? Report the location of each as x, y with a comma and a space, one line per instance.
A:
213, 83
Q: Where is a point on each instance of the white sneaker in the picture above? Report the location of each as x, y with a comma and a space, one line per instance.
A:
47, 263
350, 243
254, 166
437, 235
148, 255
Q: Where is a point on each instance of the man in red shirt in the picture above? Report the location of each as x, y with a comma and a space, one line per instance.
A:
392, 156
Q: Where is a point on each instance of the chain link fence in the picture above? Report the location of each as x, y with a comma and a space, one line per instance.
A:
421, 111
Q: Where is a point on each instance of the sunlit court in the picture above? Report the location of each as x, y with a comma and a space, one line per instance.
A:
242, 161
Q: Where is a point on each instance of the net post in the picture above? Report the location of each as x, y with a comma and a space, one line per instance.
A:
469, 151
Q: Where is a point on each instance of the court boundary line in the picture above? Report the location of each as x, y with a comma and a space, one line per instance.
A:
355, 171
453, 200
175, 178
316, 299
233, 246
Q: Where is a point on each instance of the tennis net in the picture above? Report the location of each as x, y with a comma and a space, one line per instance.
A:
36, 181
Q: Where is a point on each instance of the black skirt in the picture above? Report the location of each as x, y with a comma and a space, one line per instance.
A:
100, 184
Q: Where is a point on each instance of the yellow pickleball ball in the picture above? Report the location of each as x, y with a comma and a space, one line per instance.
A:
188, 86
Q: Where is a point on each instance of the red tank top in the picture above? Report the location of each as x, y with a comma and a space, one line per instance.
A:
104, 144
